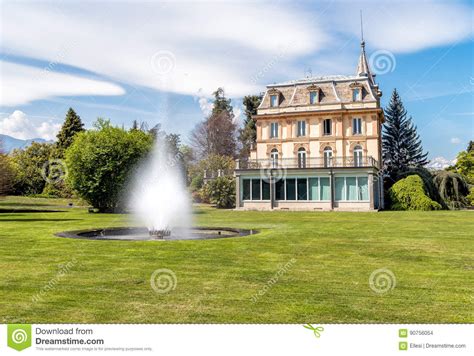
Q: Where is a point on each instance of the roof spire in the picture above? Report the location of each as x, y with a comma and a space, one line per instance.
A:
363, 69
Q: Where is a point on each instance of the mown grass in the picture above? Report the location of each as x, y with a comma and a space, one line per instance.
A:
329, 257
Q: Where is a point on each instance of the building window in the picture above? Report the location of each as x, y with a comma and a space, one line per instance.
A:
351, 189
302, 188
301, 128
274, 100
358, 156
357, 94
274, 157
327, 126
265, 189
327, 156
301, 158
246, 189
291, 189
280, 190
312, 188
274, 130
255, 189
313, 97
356, 126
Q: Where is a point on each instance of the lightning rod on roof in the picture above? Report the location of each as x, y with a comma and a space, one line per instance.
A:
361, 27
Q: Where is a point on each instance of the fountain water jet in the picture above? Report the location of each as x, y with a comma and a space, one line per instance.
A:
158, 196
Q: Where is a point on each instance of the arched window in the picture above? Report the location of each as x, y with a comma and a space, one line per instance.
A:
274, 157
357, 156
327, 156
301, 157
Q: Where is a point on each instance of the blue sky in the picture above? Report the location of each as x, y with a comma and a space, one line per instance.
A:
160, 61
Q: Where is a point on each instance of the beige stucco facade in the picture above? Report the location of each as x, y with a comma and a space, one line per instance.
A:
318, 146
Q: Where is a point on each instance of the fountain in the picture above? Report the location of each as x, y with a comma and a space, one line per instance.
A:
159, 201
158, 196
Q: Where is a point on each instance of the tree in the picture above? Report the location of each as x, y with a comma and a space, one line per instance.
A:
71, 126
465, 163
31, 167
401, 145
216, 134
6, 173
452, 188
101, 160
248, 133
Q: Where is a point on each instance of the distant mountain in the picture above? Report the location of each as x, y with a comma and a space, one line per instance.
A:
9, 143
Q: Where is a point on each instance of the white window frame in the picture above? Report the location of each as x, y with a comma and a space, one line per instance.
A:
274, 128
357, 94
301, 128
324, 127
357, 126
301, 156
345, 191
313, 97
274, 100
327, 156
274, 153
358, 155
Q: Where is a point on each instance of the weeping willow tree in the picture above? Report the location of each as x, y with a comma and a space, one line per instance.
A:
452, 188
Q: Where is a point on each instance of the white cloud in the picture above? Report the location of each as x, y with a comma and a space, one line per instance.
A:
407, 26
19, 125
23, 84
440, 163
183, 46
455, 140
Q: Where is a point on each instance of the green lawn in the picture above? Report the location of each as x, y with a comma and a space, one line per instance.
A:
430, 254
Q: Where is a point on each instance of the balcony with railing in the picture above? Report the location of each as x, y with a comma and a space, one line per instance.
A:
308, 162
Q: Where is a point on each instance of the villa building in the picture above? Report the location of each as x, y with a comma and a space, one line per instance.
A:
318, 146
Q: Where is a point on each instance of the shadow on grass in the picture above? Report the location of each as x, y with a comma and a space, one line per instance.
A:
38, 219
11, 211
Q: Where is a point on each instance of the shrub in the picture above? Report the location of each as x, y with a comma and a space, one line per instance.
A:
221, 192
99, 162
409, 194
211, 165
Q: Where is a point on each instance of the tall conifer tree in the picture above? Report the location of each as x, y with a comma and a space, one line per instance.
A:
401, 145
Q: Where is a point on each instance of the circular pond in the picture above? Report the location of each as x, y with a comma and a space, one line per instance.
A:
142, 234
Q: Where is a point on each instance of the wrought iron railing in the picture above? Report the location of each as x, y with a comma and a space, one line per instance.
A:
309, 162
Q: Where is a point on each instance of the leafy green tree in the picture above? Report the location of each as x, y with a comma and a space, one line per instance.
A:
401, 144
465, 164
31, 167
248, 133
217, 133
6, 173
72, 125
409, 194
452, 188
101, 160
221, 192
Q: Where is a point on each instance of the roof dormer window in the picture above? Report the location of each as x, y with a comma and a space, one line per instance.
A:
357, 94
314, 94
274, 100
